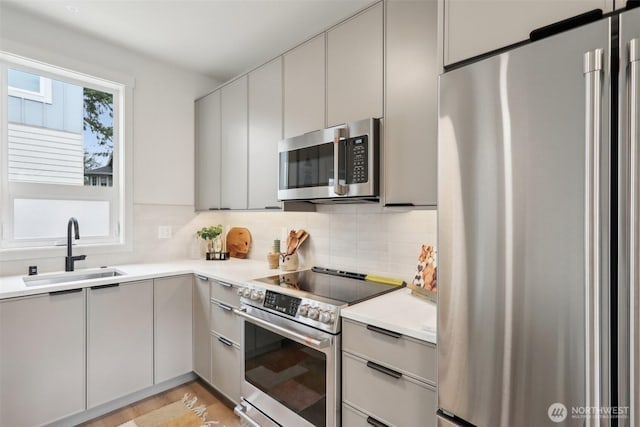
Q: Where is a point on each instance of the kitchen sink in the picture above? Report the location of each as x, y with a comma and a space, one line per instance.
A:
69, 277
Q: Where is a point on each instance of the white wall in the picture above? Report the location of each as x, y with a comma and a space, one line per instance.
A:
362, 238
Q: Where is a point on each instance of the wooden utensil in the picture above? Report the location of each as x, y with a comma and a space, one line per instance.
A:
292, 242
303, 236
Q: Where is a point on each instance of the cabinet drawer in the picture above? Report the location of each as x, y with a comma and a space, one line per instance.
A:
225, 292
225, 371
388, 396
224, 321
352, 417
405, 354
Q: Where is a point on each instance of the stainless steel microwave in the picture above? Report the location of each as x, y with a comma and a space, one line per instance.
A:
340, 163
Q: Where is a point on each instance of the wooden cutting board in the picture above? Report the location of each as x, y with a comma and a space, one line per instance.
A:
238, 242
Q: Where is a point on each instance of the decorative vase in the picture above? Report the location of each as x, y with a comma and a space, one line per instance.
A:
289, 262
217, 244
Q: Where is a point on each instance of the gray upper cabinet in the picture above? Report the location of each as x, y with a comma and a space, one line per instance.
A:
410, 128
382, 62
207, 150
304, 87
475, 27
265, 130
233, 153
354, 67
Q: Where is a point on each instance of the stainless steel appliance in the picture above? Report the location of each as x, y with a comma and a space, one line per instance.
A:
538, 232
291, 345
341, 163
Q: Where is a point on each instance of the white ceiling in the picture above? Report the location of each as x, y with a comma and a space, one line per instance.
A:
218, 38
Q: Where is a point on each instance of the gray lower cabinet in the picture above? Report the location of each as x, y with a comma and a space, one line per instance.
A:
42, 358
387, 378
120, 340
225, 339
201, 316
225, 371
172, 327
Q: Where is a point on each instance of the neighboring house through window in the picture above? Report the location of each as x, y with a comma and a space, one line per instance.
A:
61, 155
29, 86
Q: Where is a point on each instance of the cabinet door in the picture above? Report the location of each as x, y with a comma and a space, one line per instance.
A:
304, 87
42, 358
226, 373
120, 341
410, 126
201, 337
172, 300
475, 27
207, 151
354, 68
233, 105
265, 130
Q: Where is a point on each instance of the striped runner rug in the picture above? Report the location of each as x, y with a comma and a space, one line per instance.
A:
182, 413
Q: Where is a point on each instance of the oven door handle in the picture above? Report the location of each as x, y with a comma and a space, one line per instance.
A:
287, 333
240, 411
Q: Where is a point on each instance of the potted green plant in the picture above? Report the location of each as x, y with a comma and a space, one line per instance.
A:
209, 235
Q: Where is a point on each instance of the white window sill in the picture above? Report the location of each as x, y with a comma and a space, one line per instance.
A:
15, 254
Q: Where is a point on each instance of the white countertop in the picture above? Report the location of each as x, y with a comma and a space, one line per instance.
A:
232, 270
397, 311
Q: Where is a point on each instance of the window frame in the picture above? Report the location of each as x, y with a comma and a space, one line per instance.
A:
119, 195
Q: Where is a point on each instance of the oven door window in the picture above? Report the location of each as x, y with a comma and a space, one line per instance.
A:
289, 372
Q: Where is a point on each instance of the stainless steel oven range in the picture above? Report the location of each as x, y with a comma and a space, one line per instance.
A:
291, 345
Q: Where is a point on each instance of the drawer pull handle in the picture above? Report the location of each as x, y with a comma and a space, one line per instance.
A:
66, 291
384, 370
225, 284
112, 285
375, 423
204, 278
384, 331
225, 342
224, 307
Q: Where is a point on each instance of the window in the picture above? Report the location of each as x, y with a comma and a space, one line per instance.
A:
62, 150
29, 86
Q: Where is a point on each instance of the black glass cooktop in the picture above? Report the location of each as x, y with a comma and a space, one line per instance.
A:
340, 286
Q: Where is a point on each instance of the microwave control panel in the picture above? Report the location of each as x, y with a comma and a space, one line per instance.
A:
357, 159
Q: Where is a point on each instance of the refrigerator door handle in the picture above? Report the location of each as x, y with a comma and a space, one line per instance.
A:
593, 72
634, 225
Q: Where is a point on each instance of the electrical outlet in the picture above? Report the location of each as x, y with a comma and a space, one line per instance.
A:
164, 232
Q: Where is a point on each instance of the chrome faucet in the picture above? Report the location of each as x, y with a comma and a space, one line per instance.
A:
70, 259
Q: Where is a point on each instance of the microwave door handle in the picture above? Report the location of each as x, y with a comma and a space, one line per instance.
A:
339, 189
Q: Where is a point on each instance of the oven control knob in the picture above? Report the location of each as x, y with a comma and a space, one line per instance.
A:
257, 295
246, 292
314, 312
304, 310
327, 317
240, 291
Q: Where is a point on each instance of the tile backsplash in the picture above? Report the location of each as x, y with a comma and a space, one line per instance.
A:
360, 238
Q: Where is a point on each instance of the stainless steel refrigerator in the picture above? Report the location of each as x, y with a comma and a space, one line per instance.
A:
538, 232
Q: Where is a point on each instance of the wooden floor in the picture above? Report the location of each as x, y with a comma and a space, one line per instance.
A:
216, 408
